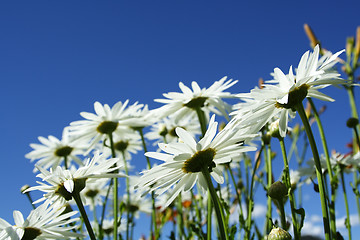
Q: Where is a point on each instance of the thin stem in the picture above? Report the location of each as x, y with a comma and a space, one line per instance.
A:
202, 120
101, 235
250, 196
80, 205
319, 175
290, 192
153, 224
241, 216
30, 199
330, 170
128, 196
347, 221
66, 162
216, 203
209, 216
180, 218
267, 156
115, 190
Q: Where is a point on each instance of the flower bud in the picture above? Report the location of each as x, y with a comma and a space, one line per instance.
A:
349, 46
357, 45
274, 130
311, 35
277, 190
24, 188
278, 234
352, 122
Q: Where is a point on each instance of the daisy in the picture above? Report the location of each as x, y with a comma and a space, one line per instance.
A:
280, 99
53, 151
97, 127
184, 161
127, 144
164, 130
63, 183
209, 100
44, 222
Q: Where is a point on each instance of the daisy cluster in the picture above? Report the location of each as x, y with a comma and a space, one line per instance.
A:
188, 145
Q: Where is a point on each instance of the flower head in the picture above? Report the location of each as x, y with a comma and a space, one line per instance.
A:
280, 99
44, 222
53, 151
106, 121
209, 100
63, 183
184, 161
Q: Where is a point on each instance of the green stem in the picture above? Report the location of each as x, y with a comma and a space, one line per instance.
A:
357, 139
80, 205
250, 196
209, 216
101, 232
180, 218
128, 197
66, 162
290, 192
319, 175
217, 205
202, 120
30, 199
329, 168
347, 221
267, 156
153, 224
241, 216
115, 190
282, 214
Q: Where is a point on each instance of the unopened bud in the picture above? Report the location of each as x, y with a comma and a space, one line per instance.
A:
274, 129
349, 46
357, 45
352, 122
24, 188
311, 35
279, 234
277, 190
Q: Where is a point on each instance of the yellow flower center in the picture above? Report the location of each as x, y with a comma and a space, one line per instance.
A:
200, 160
296, 96
31, 233
107, 127
63, 151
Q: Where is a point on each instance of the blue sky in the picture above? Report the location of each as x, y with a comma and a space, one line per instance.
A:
58, 57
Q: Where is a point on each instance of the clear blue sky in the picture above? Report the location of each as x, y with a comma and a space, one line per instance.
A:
58, 57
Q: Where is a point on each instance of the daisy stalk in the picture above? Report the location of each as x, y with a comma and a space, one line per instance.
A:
347, 220
250, 195
329, 168
79, 185
290, 192
115, 188
324, 207
268, 165
196, 105
153, 225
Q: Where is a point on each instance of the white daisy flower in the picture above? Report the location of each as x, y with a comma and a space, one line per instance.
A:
62, 183
44, 222
280, 100
53, 151
137, 202
185, 160
209, 100
164, 130
127, 144
97, 127
95, 192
